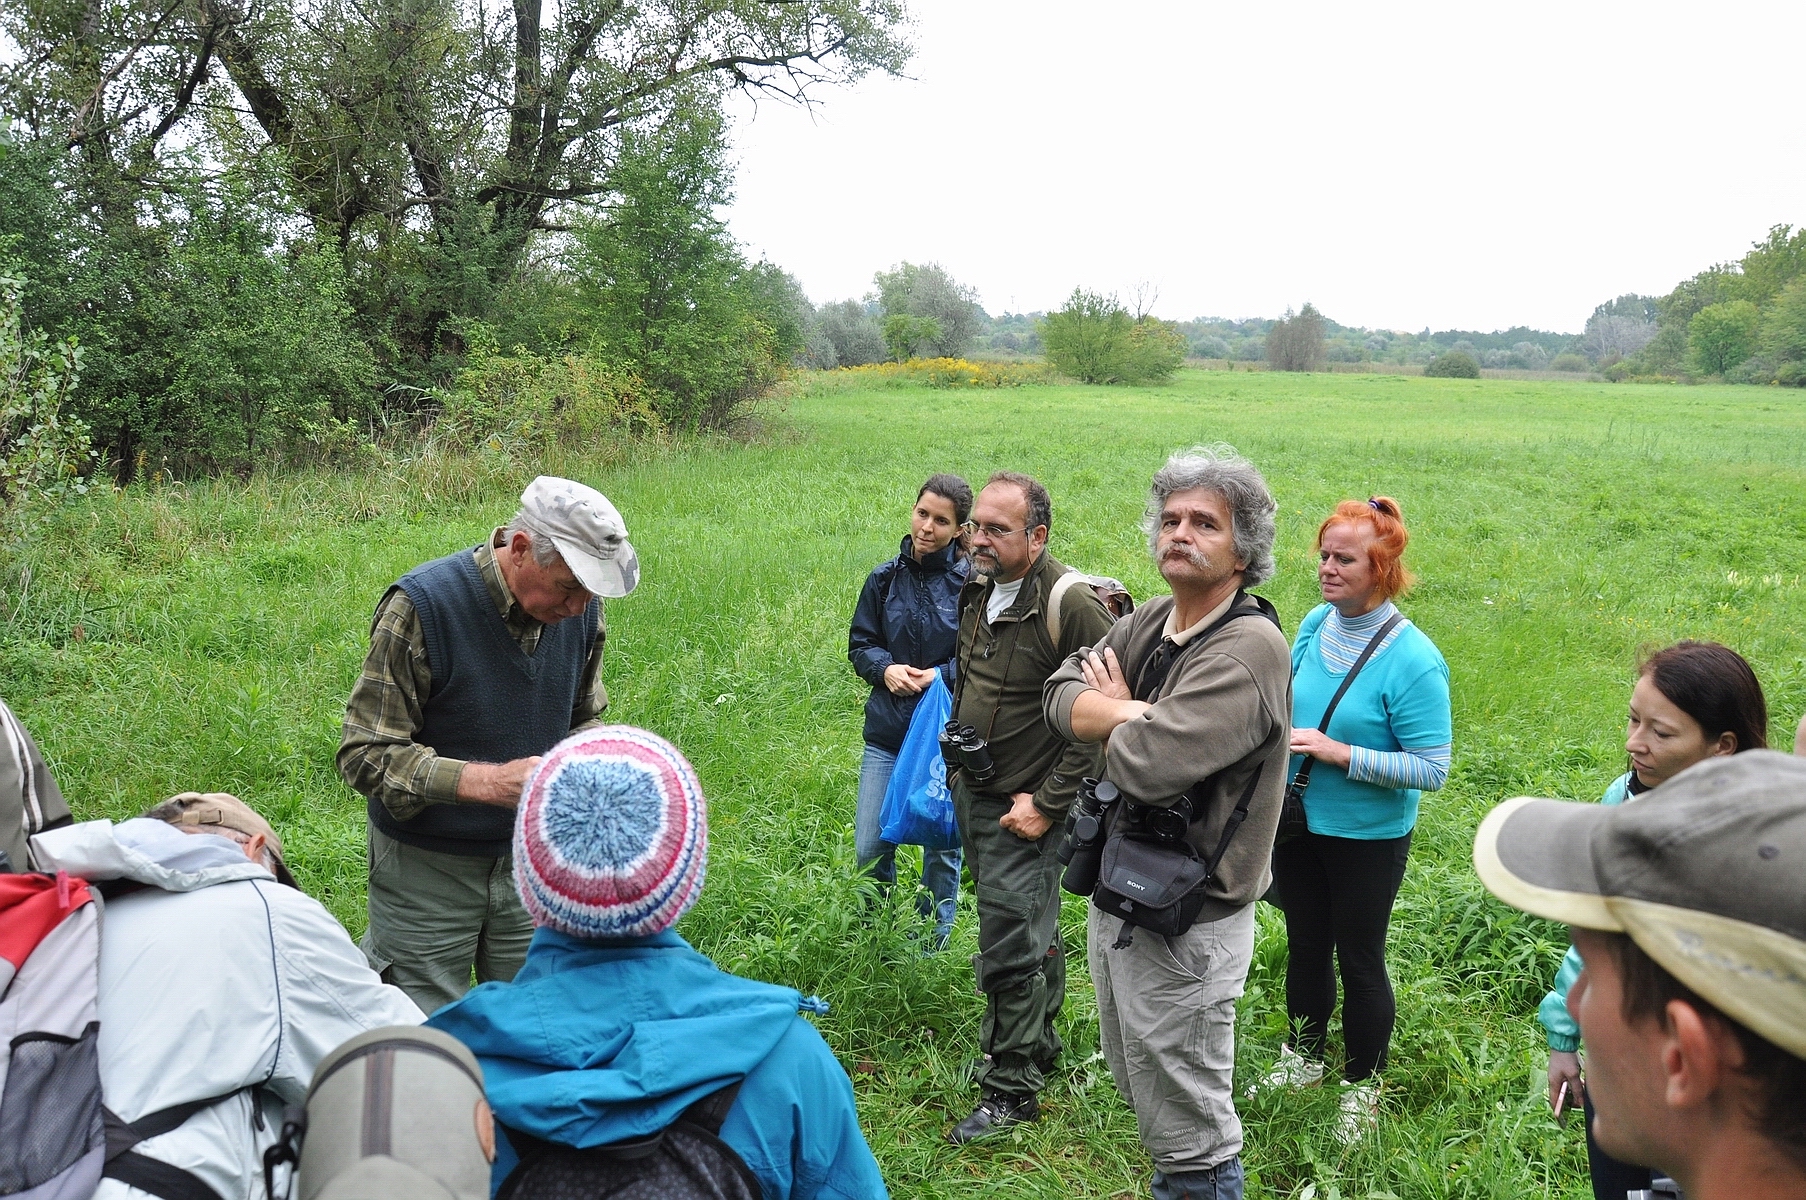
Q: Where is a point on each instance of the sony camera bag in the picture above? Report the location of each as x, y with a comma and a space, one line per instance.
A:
1160, 884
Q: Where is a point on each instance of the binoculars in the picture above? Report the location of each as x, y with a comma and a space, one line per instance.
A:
963, 750
1082, 849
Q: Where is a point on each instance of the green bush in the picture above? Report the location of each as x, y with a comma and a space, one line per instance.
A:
1453, 364
1095, 340
44, 451
523, 399
1568, 362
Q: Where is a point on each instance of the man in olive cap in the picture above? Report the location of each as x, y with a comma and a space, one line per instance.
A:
1686, 905
479, 663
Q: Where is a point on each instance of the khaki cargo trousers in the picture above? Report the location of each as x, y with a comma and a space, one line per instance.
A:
1166, 1010
1020, 965
433, 917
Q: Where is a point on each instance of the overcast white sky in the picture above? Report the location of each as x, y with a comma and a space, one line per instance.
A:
1400, 163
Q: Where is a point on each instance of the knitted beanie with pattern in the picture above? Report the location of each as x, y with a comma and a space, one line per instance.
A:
611, 839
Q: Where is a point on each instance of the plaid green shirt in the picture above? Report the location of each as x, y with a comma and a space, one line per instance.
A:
378, 755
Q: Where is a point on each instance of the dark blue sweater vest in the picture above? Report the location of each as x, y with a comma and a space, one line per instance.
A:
490, 701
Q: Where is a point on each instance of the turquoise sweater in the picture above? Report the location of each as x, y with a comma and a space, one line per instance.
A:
1563, 1030
1399, 701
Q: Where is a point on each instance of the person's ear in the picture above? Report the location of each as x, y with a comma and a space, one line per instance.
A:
1726, 744
519, 545
1698, 1054
254, 848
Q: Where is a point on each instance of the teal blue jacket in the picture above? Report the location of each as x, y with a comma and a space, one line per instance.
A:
599, 1041
1558, 1023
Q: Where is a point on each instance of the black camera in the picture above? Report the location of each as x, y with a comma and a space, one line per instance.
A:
1166, 824
963, 750
1082, 849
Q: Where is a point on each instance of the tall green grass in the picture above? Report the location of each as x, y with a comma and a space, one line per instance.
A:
205, 637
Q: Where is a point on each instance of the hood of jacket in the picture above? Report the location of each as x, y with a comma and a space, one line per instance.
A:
144, 851
597, 1041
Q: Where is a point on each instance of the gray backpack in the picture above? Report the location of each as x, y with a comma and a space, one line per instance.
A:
393, 1114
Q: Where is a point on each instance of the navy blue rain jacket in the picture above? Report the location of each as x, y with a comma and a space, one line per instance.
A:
908, 613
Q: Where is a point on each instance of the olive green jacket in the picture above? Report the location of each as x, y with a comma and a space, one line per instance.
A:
1000, 672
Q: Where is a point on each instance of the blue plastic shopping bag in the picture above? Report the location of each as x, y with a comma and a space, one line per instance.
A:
918, 808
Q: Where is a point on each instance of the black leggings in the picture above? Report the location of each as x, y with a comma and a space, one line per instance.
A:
1338, 895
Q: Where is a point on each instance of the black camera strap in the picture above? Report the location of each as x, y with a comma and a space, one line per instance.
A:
1303, 776
1158, 666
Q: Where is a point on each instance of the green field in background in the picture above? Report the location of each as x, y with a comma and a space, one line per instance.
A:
205, 637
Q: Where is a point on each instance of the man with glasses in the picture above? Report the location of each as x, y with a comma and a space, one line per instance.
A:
1010, 821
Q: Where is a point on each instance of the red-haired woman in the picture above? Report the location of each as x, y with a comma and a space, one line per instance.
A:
1387, 743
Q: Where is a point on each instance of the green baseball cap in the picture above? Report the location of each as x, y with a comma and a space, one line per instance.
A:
1707, 873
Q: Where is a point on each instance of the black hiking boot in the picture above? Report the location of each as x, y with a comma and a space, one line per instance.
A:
996, 1113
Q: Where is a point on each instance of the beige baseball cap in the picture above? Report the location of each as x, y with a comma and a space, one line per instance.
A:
588, 532
229, 812
1704, 873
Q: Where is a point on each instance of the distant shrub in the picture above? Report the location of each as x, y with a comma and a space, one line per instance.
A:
1568, 362
523, 398
940, 373
1094, 339
1454, 364
1791, 374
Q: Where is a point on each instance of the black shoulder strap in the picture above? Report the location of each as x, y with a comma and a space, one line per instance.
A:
147, 1174
1373, 644
1158, 666
1234, 823
709, 1112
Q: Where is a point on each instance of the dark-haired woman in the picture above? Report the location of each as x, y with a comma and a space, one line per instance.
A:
904, 630
1692, 701
1387, 743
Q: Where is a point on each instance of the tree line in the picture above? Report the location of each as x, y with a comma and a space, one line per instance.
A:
1740, 322
266, 230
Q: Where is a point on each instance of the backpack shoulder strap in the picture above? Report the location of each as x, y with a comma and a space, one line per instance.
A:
1056, 596
709, 1112
164, 1180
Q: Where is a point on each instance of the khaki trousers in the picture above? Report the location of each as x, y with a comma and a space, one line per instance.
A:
1166, 1008
1021, 963
433, 917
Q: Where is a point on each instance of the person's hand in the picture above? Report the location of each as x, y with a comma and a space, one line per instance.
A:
495, 783
1105, 674
1321, 748
904, 680
1564, 1067
1024, 819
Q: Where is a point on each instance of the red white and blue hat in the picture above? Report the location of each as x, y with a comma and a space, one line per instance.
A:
612, 835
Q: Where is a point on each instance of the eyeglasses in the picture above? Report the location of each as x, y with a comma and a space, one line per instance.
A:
994, 532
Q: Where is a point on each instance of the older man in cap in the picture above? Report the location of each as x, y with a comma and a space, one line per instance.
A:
479, 663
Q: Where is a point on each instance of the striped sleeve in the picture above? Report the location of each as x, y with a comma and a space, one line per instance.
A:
1425, 770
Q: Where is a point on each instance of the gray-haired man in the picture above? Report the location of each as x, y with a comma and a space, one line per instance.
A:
479, 663
1192, 696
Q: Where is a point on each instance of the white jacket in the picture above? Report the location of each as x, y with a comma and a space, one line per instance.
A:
213, 978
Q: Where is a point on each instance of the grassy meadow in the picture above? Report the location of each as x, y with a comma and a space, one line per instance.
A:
204, 636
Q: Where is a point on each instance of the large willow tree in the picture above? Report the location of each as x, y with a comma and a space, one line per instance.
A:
430, 141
